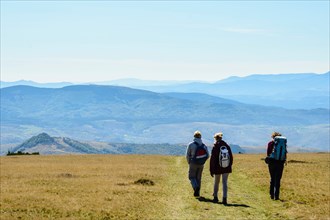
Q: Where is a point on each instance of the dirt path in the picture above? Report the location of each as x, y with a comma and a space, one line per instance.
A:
245, 199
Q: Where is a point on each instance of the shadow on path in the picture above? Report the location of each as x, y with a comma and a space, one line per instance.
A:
203, 199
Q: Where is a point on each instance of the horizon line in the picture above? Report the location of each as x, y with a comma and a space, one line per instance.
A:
157, 80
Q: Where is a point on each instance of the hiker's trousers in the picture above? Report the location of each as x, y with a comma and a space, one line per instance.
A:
224, 184
275, 171
195, 175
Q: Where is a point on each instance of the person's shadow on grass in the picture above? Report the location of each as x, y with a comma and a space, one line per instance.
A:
203, 199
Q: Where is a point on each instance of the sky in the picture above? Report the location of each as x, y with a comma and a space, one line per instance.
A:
92, 41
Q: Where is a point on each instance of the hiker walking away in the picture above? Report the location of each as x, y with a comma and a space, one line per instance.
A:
276, 157
196, 155
220, 165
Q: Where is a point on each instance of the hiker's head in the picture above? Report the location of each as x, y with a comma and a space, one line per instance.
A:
197, 134
275, 133
218, 136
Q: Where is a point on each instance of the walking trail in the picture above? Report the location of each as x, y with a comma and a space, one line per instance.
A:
245, 200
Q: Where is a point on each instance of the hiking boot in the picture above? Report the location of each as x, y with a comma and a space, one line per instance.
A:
215, 200
224, 200
196, 192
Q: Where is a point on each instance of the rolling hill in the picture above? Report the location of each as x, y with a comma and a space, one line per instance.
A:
45, 144
293, 91
126, 115
93, 102
304, 90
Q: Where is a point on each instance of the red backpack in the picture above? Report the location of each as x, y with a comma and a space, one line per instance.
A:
201, 154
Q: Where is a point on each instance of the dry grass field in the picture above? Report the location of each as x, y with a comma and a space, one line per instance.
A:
156, 187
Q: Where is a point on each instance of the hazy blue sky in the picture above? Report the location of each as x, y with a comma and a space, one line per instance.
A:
87, 41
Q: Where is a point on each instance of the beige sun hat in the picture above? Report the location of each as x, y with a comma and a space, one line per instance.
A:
218, 135
197, 134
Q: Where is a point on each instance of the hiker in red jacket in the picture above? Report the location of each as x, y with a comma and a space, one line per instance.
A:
220, 165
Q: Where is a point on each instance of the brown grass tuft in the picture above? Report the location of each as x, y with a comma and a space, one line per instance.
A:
145, 182
66, 175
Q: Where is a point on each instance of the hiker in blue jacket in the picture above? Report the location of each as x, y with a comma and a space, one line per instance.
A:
196, 155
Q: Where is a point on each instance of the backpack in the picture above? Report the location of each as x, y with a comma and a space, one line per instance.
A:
279, 150
201, 154
224, 157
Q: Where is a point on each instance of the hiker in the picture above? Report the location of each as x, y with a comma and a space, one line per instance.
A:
276, 156
196, 155
220, 165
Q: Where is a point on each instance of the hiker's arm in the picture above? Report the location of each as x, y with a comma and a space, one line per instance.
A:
188, 154
231, 156
270, 148
212, 162
207, 150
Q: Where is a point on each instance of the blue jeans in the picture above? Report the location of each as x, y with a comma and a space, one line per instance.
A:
195, 175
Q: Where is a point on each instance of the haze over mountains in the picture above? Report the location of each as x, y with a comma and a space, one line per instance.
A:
125, 115
305, 90
35, 84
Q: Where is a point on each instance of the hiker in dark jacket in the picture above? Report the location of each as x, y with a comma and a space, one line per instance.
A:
275, 168
195, 170
217, 171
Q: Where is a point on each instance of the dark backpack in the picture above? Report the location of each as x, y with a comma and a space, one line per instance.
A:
279, 150
201, 154
224, 157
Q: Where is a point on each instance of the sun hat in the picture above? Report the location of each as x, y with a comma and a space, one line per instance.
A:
197, 134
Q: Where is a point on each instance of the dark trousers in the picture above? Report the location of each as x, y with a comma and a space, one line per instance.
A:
275, 171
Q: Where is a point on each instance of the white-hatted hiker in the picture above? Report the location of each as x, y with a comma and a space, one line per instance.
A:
196, 154
220, 165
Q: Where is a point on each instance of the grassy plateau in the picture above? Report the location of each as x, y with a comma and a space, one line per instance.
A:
157, 187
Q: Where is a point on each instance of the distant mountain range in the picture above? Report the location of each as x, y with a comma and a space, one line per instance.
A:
125, 115
88, 103
45, 144
293, 91
35, 84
